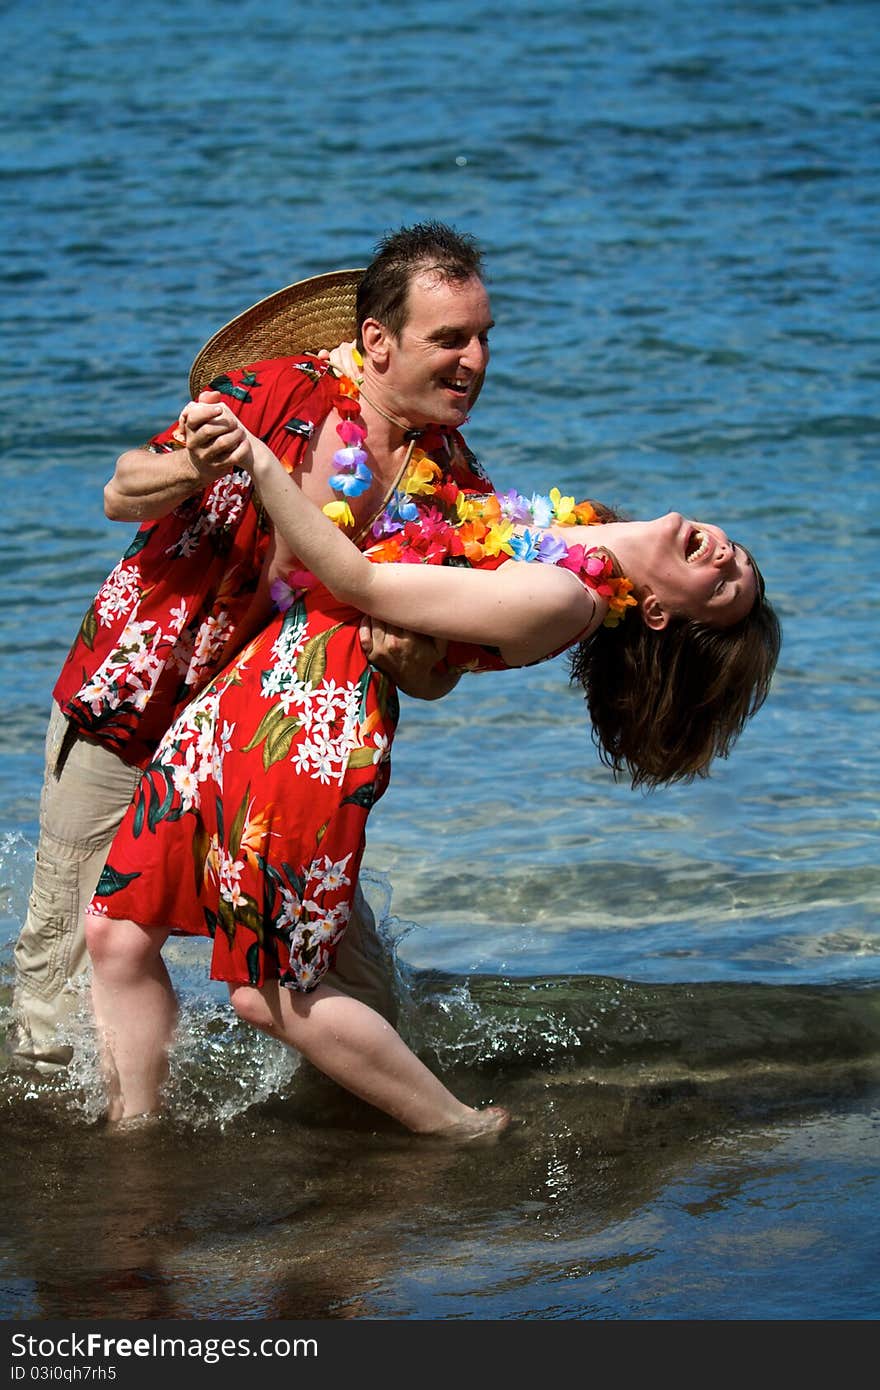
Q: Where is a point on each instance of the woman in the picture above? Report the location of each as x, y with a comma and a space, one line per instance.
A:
249, 825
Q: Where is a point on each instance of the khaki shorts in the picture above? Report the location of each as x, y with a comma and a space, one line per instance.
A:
86, 792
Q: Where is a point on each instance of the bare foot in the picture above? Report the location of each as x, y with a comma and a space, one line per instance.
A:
479, 1124
130, 1123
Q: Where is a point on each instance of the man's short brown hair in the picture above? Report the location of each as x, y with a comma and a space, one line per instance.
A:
401, 255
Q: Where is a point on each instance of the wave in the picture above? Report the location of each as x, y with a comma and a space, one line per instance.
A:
743, 1046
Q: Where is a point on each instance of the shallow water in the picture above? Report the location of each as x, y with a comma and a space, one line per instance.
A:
677, 994
657, 1169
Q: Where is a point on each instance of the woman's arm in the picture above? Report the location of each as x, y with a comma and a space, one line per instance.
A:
526, 610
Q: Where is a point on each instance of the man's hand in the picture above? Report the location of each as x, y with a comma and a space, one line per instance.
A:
408, 658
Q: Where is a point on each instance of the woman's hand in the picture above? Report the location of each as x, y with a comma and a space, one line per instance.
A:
346, 359
216, 440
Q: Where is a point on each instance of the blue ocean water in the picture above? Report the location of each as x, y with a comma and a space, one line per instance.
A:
678, 204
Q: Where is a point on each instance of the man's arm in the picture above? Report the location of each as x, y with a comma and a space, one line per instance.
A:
148, 484
407, 658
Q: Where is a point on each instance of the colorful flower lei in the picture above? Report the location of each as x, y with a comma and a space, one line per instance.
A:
460, 524
352, 476
484, 526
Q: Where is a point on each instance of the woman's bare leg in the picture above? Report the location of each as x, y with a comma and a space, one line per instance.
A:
135, 1011
354, 1045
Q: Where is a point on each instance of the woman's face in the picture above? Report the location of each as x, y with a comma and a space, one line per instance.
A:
694, 570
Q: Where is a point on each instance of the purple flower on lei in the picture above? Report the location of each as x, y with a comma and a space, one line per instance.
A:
553, 550
514, 507
285, 592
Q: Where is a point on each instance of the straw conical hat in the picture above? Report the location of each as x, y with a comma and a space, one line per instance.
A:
312, 314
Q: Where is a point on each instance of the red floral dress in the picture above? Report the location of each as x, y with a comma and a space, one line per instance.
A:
249, 825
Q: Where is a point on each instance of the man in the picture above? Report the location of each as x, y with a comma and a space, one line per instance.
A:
191, 589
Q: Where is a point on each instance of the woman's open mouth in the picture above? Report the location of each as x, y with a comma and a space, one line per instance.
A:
697, 545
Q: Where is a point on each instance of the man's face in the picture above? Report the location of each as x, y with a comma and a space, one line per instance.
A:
436, 365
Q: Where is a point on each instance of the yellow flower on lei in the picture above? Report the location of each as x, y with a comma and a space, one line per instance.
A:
421, 476
340, 512
498, 539
487, 509
563, 508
